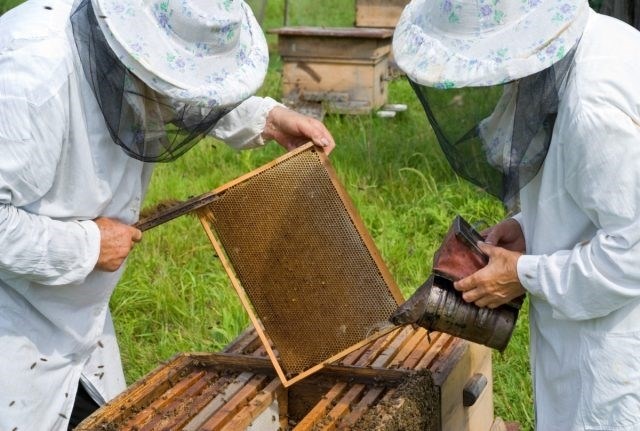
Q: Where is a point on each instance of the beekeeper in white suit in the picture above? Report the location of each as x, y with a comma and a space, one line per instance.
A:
90, 94
563, 134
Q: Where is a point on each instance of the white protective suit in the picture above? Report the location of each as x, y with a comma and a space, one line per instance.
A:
581, 221
59, 169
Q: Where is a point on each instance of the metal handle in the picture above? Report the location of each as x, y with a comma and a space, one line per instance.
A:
473, 389
176, 210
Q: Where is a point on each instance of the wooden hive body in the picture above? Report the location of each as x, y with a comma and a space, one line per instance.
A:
345, 69
405, 380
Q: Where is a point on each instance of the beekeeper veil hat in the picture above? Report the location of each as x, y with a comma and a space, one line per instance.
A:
165, 71
516, 54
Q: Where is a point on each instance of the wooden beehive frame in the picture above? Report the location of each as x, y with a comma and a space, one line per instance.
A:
205, 218
260, 330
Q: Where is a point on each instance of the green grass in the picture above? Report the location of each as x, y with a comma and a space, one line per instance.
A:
175, 296
5, 5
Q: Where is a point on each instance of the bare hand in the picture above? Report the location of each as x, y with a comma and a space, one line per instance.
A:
495, 284
291, 130
506, 234
116, 241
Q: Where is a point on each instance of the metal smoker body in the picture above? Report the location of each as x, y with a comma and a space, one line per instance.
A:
437, 306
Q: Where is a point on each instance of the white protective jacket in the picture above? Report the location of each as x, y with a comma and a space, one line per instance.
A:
59, 169
581, 221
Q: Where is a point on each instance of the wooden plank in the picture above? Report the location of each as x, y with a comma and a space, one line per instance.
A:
184, 409
421, 350
479, 417
360, 408
139, 395
256, 406
434, 351
372, 350
342, 406
319, 49
450, 372
283, 407
139, 420
243, 342
334, 32
447, 359
316, 414
388, 354
409, 346
364, 374
239, 400
216, 403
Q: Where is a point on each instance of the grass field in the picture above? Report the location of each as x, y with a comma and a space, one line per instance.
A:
175, 296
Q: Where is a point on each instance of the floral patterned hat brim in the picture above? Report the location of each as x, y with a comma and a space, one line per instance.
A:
472, 43
223, 72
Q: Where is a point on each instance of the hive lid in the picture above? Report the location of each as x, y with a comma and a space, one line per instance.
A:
337, 32
301, 261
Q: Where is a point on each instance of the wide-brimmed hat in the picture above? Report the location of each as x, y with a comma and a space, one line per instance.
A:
461, 43
209, 52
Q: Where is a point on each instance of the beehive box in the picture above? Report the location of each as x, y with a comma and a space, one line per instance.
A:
345, 69
379, 13
407, 380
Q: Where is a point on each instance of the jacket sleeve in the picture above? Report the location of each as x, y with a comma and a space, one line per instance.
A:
241, 128
601, 154
35, 247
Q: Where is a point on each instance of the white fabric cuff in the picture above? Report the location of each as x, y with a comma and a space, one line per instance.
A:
93, 238
527, 268
87, 234
242, 127
517, 217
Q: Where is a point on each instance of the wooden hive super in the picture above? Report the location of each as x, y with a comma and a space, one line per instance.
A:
345, 69
407, 380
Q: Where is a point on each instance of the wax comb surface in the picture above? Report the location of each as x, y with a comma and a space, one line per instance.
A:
302, 256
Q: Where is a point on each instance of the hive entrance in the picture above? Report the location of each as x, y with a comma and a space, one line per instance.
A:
302, 262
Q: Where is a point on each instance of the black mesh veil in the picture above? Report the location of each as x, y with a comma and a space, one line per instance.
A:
148, 126
497, 137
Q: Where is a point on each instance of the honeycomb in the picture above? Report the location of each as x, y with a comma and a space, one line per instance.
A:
304, 259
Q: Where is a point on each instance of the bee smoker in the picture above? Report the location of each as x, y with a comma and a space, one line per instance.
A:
438, 306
